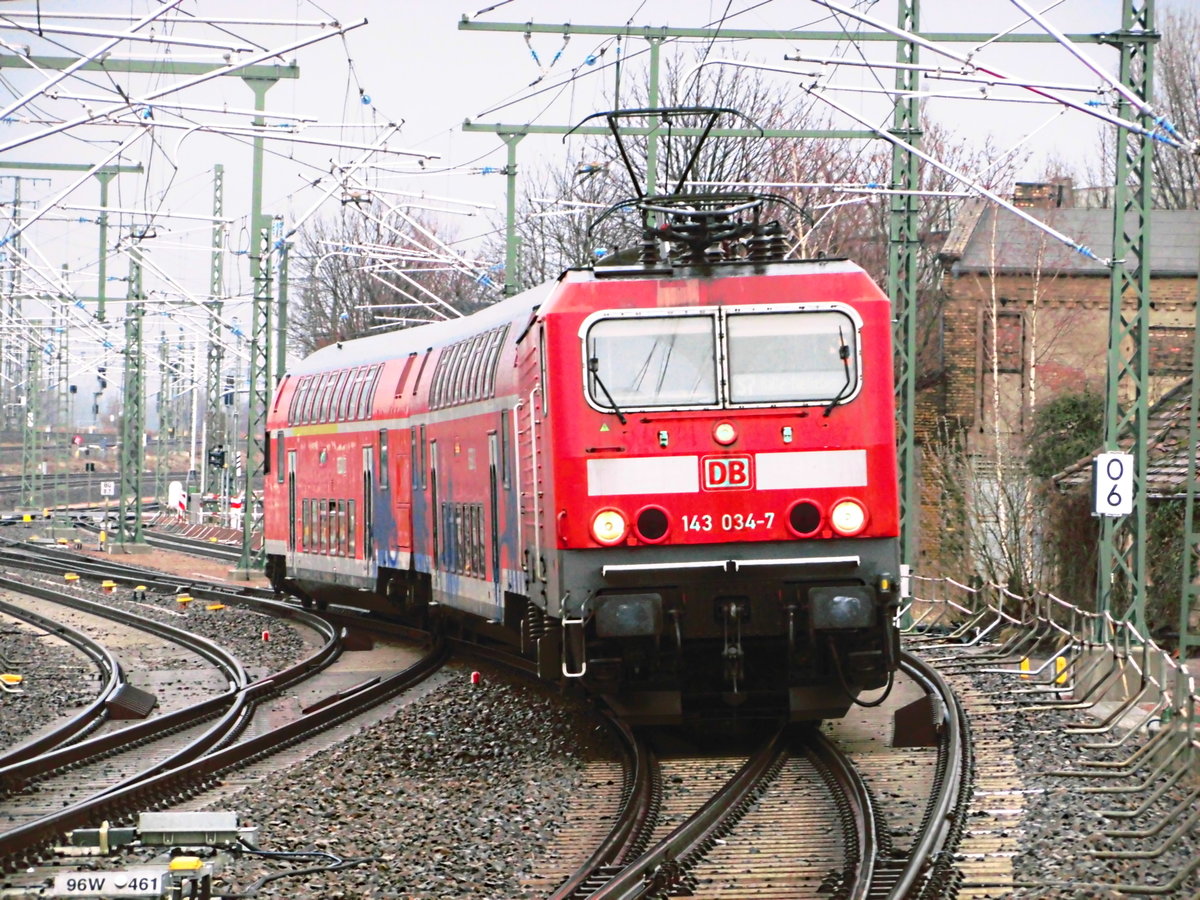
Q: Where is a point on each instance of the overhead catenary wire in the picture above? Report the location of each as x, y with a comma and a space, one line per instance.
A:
966, 59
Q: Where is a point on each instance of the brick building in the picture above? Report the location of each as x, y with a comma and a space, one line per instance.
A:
1025, 318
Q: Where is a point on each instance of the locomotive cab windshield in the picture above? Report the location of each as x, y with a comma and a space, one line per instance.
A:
712, 359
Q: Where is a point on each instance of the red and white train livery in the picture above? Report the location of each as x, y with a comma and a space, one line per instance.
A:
673, 481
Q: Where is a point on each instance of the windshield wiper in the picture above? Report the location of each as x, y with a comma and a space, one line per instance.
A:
844, 356
594, 369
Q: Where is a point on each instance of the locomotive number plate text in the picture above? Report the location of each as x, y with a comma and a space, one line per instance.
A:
729, 522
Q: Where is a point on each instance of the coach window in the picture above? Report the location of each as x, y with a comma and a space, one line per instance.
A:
279, 456
504, 447
350, 514
310, 403
478, 366
412, 458
495, 348
438, 385
306, 523
343, 532
424, 482
337, 391
345, 401
297, 400
792, 357
383, 459
460, 356
355, 392
321, 412
643, 361
314, 397
368, 394
325, 403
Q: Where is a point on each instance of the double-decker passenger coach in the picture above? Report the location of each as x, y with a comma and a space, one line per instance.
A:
669, 476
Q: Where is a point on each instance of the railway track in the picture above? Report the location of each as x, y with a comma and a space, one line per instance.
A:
793, 819
190, 751
744, 825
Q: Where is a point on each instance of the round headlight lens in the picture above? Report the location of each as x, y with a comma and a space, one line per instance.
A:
848, 517
804, 518
652, 524
609, 527
724, 433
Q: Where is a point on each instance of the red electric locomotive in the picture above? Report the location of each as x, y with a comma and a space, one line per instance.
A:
670, 476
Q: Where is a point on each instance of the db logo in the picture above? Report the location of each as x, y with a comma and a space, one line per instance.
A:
726, 473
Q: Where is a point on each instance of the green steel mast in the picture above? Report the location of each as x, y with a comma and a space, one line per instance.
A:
133, 416
1121, 576
903, 247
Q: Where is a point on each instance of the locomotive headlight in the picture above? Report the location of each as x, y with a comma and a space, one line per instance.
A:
848, 517
609, 527
724, 433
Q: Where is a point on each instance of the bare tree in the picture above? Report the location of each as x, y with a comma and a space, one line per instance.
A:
1177, 100
373, 268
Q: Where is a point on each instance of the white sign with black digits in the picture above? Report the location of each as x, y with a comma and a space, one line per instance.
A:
1112, 484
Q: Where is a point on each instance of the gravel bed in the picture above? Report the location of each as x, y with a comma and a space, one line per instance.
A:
57, 680
1061, 824
456, 796
236, 628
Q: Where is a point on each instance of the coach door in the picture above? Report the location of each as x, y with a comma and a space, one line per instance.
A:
494, 504
368, 457
291, 477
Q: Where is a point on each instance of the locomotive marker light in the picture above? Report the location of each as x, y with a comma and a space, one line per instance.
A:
848, 517
724, 433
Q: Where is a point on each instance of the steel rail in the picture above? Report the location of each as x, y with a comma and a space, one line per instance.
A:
22, 845
236, 701
630, 829
928, 870
660, 865
850, 785
91, 716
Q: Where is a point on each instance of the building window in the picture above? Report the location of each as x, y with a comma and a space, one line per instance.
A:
1007, 346
1170, 350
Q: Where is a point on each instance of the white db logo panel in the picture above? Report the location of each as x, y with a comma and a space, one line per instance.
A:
727, 473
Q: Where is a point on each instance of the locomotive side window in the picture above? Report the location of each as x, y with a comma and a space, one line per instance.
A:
544, 381
804, 357
652, 361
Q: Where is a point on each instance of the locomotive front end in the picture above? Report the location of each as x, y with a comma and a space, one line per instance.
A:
725, 498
